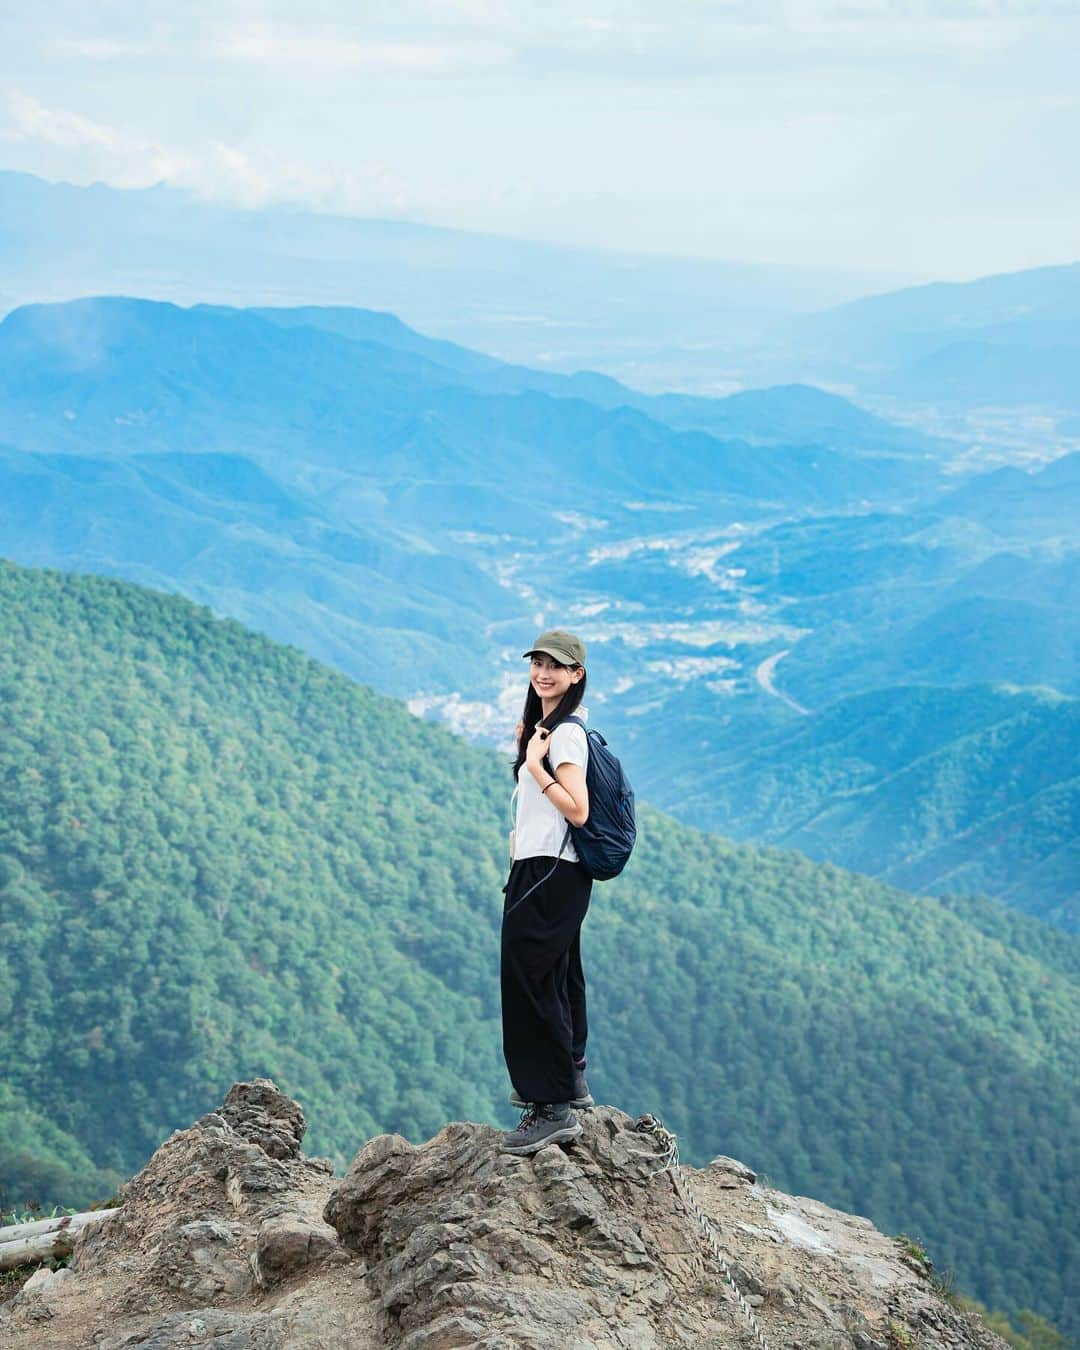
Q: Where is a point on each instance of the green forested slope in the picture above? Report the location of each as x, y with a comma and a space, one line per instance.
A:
218, 858
926, 787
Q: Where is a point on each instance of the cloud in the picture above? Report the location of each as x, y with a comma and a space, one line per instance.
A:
101, 49
328, 50
637, 39
592, 24
216, 172
233, 175
33, 121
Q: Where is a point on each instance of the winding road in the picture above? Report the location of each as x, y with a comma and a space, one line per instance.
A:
764, 676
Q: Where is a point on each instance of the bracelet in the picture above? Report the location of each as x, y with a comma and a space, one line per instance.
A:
554, 782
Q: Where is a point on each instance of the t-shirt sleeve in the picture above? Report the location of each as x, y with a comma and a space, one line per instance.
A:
569, 745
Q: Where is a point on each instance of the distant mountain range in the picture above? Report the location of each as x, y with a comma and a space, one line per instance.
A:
546, 304
1003, 342
975, 789
299, 479
795, 414
129, 375
1009, 341
342, 482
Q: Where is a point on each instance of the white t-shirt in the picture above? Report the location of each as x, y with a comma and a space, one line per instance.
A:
540, 827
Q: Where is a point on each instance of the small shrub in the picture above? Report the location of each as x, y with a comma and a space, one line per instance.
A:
914, 1253
944, 1283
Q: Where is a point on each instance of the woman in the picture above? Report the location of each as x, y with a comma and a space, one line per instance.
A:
547, 896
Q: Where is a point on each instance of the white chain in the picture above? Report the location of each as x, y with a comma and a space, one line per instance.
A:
670, 1144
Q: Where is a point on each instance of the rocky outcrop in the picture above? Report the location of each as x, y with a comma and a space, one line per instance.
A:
230, 1237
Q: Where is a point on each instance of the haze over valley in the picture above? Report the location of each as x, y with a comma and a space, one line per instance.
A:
284, 496
779, 578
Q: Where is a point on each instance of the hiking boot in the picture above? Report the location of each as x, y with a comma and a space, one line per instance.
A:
554, 1123
581, 1099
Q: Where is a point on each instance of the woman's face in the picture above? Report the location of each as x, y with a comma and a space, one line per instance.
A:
550, 679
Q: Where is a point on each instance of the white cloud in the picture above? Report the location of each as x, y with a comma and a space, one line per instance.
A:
135, 160
101, 49
233, 175
786, 130
328, 50
217, 172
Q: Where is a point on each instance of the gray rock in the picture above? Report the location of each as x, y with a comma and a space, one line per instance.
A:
288, 1245
589, 1246
377, 1173
43, 1281
251, 1177
205, 1260
217, 1328
261, 1114
730, 1172
445, 1334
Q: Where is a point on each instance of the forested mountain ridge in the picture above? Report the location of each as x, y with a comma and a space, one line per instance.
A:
795, 414
340, 481
926, 787
218, 856
122, 376
600, 308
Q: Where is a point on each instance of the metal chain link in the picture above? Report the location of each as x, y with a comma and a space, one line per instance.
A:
669, 1142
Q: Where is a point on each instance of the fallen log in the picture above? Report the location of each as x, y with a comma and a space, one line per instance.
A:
44, 1238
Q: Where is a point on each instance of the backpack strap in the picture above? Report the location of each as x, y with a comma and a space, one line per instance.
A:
566, 840
589, 731
546, 761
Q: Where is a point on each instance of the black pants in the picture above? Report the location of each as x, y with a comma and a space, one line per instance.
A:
543, 985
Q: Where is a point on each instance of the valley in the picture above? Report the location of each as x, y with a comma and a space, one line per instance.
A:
347, 484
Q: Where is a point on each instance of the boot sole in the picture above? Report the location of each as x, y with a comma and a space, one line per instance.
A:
557, 1137
578, 1103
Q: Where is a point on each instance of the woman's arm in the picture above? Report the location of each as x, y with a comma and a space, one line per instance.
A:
568, 795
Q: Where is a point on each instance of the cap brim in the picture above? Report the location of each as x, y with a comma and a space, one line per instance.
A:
564, 657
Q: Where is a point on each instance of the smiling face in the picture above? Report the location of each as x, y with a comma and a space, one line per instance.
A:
551, 679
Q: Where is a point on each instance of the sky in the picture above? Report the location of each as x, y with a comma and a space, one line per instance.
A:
932, 139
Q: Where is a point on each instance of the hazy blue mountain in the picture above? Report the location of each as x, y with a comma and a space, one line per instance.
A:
795, 414
976, 586
905, 324
1020, 505
1008, 369
865, 641
367, 325
371, 499
215, 527
540, 303
996, 342
938, 789
125, 375
312, 484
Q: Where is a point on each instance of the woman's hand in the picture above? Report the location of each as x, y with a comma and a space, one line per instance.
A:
539, 745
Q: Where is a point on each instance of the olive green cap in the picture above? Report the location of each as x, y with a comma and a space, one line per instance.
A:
563, 646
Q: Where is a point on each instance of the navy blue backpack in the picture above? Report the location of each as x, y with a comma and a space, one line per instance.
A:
604, 842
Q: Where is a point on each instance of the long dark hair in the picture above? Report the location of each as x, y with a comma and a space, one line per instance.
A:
533, 708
